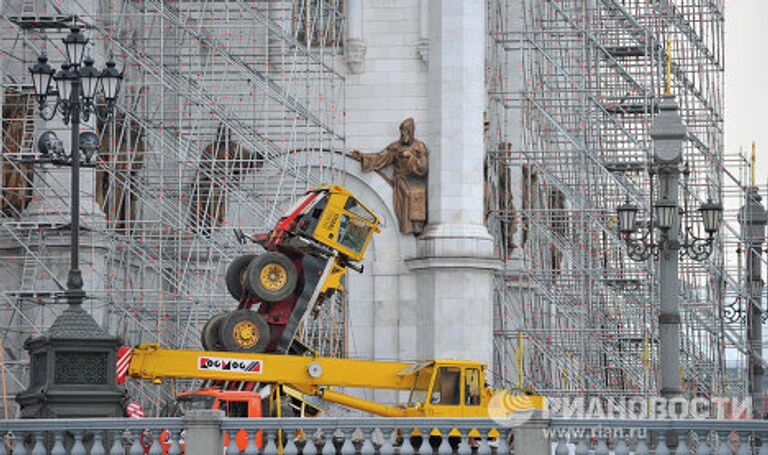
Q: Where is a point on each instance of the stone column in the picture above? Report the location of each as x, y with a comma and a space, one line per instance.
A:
454, 261
355, 48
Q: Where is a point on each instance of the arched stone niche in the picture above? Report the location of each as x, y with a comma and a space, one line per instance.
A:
381, 319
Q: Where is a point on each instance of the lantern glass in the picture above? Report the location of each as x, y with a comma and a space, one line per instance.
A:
665, 213
711, 214
64, 79
627, 218
89, 78
74, 44
42, 73
110, 81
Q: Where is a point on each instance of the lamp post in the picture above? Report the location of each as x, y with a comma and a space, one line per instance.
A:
668, 132
753, 219
73, 365
76, 87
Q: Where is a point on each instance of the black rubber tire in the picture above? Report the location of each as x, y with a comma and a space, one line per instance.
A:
227, 331
209, 336
264, 260
236, 276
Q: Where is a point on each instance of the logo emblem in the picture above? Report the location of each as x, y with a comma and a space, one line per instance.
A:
229, 365
512, 410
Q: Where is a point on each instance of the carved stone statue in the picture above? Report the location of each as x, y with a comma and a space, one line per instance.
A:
409, 179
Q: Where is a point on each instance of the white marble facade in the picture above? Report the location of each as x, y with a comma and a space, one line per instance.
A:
429, 296
419, 297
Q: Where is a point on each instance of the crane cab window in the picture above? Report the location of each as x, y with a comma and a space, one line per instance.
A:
446, 388
353, 233
421, 385
234, 408
472, 387
353, 206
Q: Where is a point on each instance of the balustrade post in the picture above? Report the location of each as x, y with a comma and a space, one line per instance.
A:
407, 447
117, 444
272, 442
532, 437
18, 444
232, 448
39, 445
136, 447
763, 445
78, 448
744, 446
386, 443
642, 448
722, 447
682, 444
602, 446
175, 448
661, 447
292, 437
58, 444
582, 448
347, 448
203, 436
621, 445
98, 445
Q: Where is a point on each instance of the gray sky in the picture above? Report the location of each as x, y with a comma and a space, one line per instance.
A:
746, 79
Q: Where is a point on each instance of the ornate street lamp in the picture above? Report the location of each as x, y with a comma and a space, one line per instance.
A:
110, 81
711, 215
56, 389
42, 73
89, 79
75, 44
76, 87
692, 246
627, 218
665, 211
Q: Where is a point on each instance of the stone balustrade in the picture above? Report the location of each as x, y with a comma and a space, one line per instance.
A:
91, 436
658, 437
207, 432
375, 435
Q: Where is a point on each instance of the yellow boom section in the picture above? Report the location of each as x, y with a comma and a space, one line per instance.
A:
150, 362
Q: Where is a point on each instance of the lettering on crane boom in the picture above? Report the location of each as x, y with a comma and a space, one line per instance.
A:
225, 364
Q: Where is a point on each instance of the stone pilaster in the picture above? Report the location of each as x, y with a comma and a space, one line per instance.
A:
455, 262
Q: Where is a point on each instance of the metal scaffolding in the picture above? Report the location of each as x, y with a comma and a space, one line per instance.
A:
232, 108
573, 87
229, 110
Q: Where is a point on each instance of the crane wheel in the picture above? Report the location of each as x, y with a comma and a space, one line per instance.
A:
244, 331
209, 336
272, 276
236, 276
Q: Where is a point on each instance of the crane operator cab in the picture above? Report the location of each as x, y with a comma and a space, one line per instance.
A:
449, 389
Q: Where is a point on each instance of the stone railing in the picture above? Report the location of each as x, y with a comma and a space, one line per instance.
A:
658, 437
209, 433
387, 436
91, 436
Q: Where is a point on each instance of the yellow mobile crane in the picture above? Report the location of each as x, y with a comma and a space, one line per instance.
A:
438, 388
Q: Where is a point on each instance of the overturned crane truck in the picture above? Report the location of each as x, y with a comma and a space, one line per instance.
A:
306, 255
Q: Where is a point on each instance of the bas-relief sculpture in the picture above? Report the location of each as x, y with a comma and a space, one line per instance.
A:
408, 155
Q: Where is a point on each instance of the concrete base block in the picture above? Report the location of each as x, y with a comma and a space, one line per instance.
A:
203, 433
